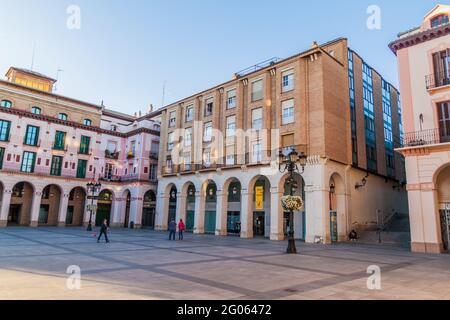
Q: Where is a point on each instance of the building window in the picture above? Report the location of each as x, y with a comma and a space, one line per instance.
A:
287, 111
257, 119
6, 104
28, 161
84, 145
207, 158
256, 153
188, 137
32, 136
36, 110
87, 122
287, 143
60, 140
113, 127
207, 132
81, 169
4, 130
171, 141
55, 169
444, 121
439, 21
172, 119
231, 99
287, 81
169, 166
187, 162
209, 107
2, 156
153, 174
351, 80
62, 116
257, 90
189, 113
231, 126
369, 117
230, 158
109, 171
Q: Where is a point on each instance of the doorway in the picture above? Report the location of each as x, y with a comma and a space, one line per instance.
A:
445, 228
259, 223
14, 214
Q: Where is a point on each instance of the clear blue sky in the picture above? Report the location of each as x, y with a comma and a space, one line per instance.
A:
125, 50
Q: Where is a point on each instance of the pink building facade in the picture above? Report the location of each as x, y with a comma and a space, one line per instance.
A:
52, 146
424, 67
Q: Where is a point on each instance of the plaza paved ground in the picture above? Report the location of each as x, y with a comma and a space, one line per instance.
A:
141, 264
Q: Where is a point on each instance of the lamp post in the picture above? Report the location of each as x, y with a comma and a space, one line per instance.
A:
289, 163
92, 189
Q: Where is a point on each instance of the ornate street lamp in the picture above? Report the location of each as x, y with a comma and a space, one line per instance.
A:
290, 164
92, 189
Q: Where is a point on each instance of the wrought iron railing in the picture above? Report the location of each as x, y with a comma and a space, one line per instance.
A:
425, 137
437, 80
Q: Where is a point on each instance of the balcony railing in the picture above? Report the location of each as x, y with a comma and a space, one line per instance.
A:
437, 80
112, 155
245, 159
154, 155
425, 137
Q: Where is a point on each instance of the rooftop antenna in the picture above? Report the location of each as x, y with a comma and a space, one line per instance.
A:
32, 56
163, 94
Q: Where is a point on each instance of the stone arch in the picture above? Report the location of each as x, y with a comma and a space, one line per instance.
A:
105, 201
76, 206
149, 209
300, 217
50, 205
187, 209
259, 206
442, 186
337, 203
232, 205
208, 195
22, 201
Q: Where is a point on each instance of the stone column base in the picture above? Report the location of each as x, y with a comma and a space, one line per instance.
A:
221, 233
137, 226
423, 247
3, 223
116, 225
277, 236
199, 231
246, 235
34, 224
61, 224
160, 228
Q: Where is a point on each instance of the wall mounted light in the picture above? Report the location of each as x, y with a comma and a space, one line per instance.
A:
363, 182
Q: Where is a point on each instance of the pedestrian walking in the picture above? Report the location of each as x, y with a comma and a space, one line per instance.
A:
181, 228
172, 229
104, 230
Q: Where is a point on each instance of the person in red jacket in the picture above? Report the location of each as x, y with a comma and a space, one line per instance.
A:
181, 228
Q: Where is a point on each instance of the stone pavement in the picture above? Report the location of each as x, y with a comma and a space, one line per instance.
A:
140, 264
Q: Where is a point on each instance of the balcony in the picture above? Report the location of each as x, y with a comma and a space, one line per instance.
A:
60, 148
154, 155
437, 80
112, 154
425, 137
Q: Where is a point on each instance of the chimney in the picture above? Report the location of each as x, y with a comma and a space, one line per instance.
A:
140, 113
150, 109
314, 45
135, 114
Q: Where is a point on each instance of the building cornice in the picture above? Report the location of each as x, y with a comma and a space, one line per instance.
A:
420, 37
26, 114
49, 94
